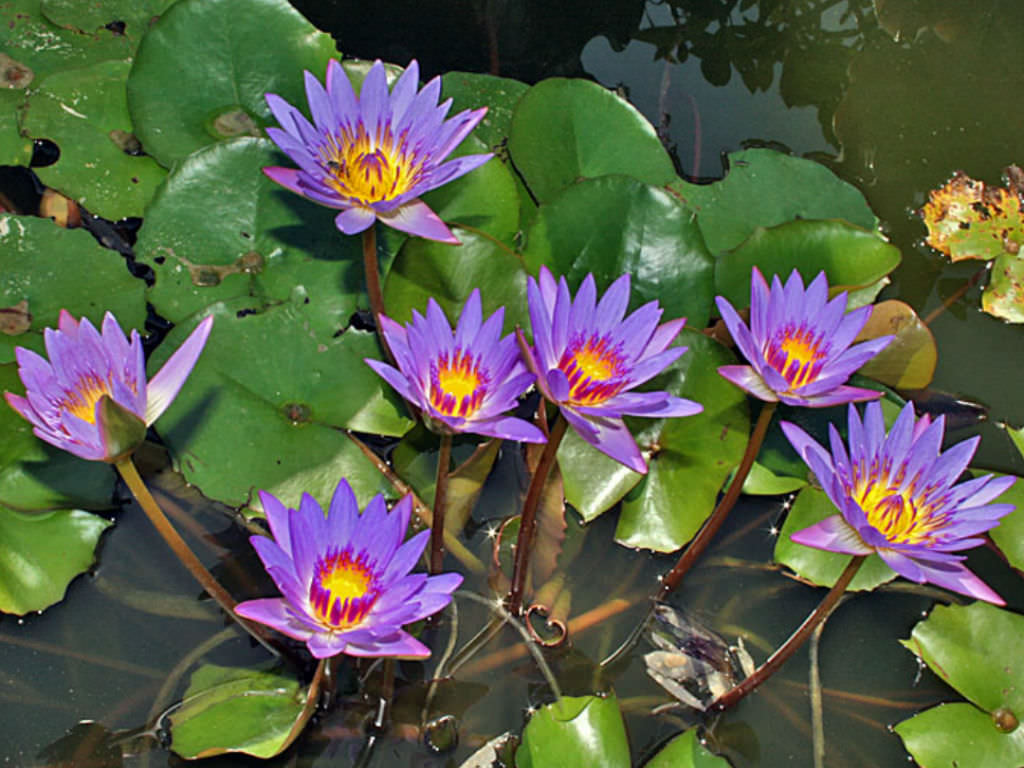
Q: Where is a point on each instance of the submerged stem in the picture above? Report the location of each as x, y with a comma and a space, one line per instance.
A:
703, 538
440, 505
126, 467
787, 649
528, 519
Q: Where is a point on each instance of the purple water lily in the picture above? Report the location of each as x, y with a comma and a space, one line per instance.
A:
897, 495
464, 381
373, 155
345, 578
64, 397
586, 358
798, 343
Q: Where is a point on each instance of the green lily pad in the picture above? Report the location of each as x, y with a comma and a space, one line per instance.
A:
816, 565
686, 751
265, 406
15, 149
43, 47
959, 735
850, 256
575, 732
235, 709
90, 16
35, 256
616, 225
201, 72
761, 481
41, 553
426, 269
1003, 297
688, 458
35, 476
556, 138
469, 90
84, 112
1009, 534
977, 649
250, 239
764, 188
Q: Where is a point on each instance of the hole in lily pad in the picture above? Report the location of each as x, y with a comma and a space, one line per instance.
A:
231, 123
44, 153
298, 413
14, 74
117, 27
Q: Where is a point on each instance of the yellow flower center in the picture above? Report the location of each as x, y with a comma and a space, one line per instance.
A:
369, 169
82, 400
902, 516
594, 369
797, 354
458, 386
342, 591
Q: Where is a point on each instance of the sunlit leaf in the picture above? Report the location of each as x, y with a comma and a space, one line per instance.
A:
470, 90
816, 565
41, 553
555, 138
235, 709
616, 225
908, 362
575, 732
765, 188
961, 735
969, 219
761, 481
101, 163
201, 73
686, 751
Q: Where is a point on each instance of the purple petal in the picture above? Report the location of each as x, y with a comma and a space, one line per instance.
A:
273, 611
746, 378
609, 436
416, 218
164, 387
833, 534
509, 428
354, 220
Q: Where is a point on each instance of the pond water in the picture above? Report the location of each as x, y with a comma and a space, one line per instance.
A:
893, 96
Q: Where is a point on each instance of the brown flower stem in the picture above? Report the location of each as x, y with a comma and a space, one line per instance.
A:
703, 538
958, 294
787, 649
126, 467
528, 519
444, 456
372, 274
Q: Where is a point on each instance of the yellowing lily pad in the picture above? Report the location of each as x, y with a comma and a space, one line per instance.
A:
969, 219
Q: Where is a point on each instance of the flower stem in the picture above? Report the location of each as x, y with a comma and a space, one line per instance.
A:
440, 504
126, 467
372, 274
528, 520
703, 538
787, 649
308, 708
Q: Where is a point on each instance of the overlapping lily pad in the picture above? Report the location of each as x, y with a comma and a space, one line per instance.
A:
201, 72
89, 16
1009, 534
615, 225
765, 188
557, 139
235, 709
686, 751
979, 650
575, 732
851, 257
689, 458
85, 113
52, 269
908, 362
266, 406
471, 90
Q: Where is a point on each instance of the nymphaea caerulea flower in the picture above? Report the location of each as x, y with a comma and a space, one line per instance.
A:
345, 578
586, 358
897, 495
374, 154
798, 343
94, 384
464, 381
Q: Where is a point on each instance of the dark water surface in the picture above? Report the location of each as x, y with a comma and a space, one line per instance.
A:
893, 101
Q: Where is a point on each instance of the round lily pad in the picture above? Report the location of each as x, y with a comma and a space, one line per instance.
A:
563, 130
616, 225
101, 163
201, 73
764, 188
251, 238
265, 407
36, 260
575, 732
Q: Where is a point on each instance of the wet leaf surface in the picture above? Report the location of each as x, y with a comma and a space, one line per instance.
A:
575, 732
